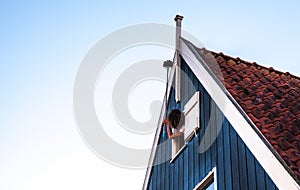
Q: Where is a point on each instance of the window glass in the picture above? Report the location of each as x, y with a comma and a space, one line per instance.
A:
210, 187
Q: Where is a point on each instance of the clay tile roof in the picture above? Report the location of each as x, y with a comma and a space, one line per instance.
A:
269, 97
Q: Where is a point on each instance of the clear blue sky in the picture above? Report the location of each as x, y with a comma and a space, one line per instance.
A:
43, 43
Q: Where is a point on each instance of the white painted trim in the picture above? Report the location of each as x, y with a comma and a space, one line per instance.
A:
178, 152
178, 81
215, 178
159, 128
211, 176
192, 105
259, 149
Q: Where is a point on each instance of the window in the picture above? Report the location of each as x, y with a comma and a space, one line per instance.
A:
209, 182
177, 146
211, 186
191, 113
191, 123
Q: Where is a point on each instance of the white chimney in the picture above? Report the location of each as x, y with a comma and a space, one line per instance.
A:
178, 20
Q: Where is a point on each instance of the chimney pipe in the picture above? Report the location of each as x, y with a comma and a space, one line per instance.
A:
178, 20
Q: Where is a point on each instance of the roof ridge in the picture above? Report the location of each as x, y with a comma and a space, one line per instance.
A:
270, 69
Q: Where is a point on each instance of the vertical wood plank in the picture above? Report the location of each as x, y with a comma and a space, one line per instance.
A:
163, 165
167, 165
213, 135
191, 89
251, 170
269, 183
180, 172
196, 161
260, 176
158, 167
184, 96
186, 168
227, 158
193, 151
191, 166
176, 174
172, 176
201, 172
234, 160
154, 178
207, 132
242, 165
220, 154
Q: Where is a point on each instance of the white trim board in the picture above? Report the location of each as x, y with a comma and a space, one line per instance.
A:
178, 153
261, 152
159, 128
211, 176
191, 110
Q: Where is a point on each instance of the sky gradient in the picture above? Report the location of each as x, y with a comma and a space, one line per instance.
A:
43, 44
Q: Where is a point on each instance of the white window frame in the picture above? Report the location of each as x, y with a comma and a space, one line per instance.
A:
178, 83
192, 108
211, 177
178, 152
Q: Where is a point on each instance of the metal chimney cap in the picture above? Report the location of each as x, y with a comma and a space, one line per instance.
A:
178, 17
168, 64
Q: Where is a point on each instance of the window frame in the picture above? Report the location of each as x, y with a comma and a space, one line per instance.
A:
193, 104
210, 177
174, 157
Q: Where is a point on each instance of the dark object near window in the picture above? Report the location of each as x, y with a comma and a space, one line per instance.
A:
176, 118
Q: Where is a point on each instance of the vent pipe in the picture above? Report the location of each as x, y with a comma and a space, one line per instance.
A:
178, 20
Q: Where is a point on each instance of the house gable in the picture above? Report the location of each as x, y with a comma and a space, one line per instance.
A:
236, 167
187, 167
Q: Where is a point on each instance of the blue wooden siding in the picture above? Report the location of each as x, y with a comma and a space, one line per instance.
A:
235, 165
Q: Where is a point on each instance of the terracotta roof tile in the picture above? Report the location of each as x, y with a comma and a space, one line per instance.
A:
270, 98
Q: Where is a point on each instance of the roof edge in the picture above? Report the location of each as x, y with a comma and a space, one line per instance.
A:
191, 48
271, 69
158, 129
251, 123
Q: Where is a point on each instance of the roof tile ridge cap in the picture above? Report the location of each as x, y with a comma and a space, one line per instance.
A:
235, 59
270, 69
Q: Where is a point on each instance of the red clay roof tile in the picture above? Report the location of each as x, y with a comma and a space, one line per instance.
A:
270, 98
